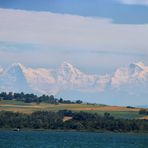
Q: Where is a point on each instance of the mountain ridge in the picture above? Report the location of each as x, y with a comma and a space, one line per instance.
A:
69, 78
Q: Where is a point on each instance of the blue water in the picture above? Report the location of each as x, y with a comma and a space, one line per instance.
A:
41, 139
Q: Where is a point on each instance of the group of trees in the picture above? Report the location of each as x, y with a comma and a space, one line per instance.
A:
89, 121
30, 98
40, 119
80, 121
143, 112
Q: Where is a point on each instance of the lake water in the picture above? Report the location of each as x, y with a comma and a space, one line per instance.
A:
41, 139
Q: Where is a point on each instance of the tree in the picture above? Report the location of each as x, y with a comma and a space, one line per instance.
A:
143, 112
79, 102
10, 96
61, 100
3, 95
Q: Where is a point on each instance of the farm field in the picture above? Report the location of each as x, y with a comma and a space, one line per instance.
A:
116, 111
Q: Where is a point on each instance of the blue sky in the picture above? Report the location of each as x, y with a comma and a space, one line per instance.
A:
98, 36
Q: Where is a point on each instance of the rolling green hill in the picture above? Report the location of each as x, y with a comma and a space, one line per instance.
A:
116, 111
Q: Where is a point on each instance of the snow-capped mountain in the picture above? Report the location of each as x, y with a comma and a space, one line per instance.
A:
136, 73
13, 79
67, 77
40, 80
72, 78
19, 78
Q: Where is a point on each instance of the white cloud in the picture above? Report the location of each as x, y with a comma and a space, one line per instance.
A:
135, 2
70, 32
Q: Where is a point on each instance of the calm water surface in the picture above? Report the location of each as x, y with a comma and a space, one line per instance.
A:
40, 139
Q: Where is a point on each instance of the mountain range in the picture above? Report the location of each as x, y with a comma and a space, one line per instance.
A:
67, 78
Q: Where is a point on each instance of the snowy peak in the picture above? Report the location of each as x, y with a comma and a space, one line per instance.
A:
140, 64
67, 65
40, 80
134, 73
18, 66
67, 73
45, 81
137, 67
13, 79
139, 70
15, 69
72, 78
67, 68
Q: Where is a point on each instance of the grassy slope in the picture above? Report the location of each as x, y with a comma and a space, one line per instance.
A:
118, 112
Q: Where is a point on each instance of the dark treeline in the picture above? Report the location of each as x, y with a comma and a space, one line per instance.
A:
143, 112
81, 121
30, 98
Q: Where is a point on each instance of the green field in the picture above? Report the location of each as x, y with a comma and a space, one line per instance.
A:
116, 111
121, 114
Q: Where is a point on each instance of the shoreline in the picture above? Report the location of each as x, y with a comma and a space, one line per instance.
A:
60, 130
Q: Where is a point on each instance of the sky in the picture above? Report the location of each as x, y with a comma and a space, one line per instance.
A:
98, 36
74, 31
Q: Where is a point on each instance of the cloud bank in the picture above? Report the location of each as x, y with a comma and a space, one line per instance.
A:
39, 37
70, 31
